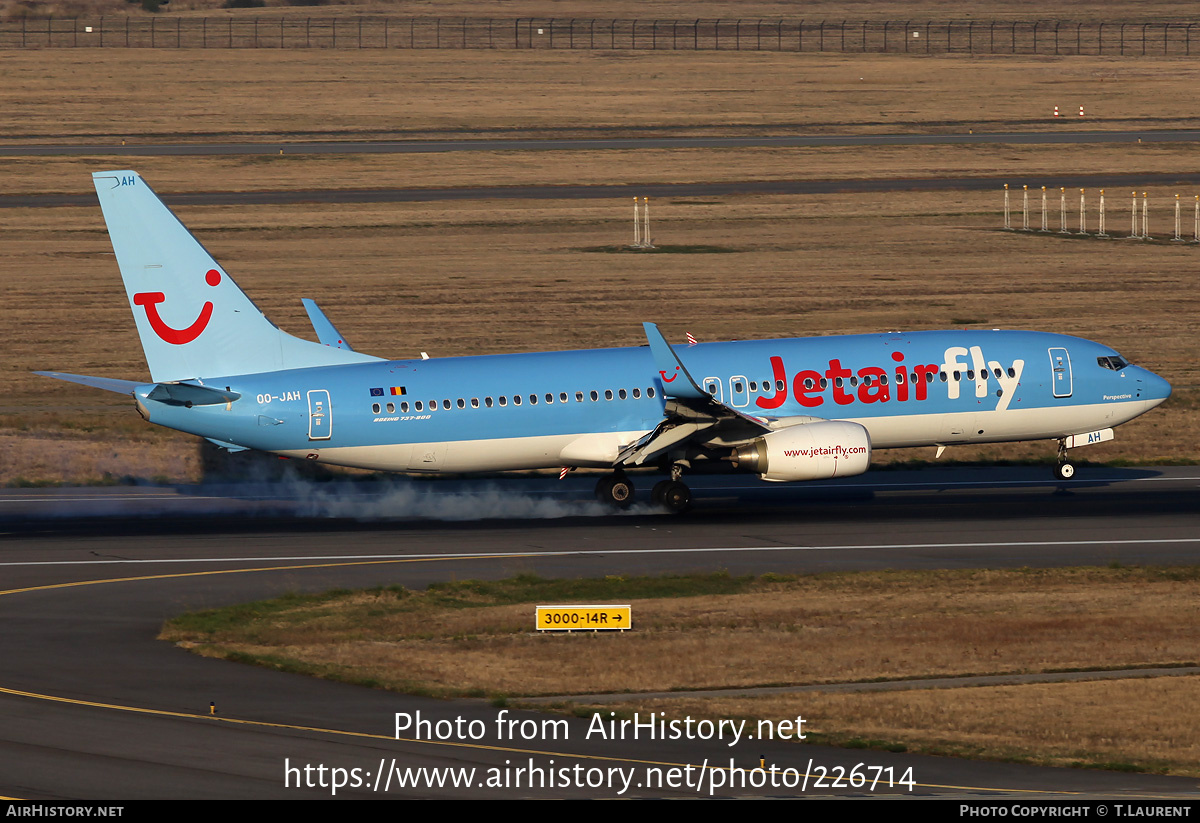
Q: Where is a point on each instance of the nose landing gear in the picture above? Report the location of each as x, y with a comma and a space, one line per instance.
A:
1065, 470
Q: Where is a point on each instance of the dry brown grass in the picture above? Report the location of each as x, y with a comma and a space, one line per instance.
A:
149, 95
1148, 724
461, 278
839, 628
820, 629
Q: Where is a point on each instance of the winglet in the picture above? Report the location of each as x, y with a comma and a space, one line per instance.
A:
676, 381
327, 333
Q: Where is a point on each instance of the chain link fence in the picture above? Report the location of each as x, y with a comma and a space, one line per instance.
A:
1048, 37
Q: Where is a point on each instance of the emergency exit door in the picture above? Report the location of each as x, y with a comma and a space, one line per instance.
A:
320, 416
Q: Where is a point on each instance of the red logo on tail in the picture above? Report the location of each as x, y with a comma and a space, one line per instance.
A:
177, 337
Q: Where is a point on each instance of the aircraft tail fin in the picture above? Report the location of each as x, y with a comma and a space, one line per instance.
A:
193, 319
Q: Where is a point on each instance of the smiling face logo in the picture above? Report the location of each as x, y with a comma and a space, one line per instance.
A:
151, 299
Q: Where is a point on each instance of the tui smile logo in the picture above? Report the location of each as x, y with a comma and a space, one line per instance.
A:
177, 337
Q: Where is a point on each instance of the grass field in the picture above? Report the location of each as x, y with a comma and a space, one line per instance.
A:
494, 276
715, 632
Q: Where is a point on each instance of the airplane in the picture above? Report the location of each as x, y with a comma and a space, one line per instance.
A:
784, 409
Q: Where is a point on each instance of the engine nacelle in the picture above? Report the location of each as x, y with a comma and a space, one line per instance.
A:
812, 451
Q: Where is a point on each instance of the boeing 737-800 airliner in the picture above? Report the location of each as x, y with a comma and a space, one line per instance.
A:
786, 410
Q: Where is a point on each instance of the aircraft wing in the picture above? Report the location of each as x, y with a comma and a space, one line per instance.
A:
691, 413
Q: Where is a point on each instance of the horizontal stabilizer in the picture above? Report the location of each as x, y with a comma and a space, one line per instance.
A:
327, 333
106, 383
229, 447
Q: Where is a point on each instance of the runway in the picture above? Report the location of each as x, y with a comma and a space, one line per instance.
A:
91, 705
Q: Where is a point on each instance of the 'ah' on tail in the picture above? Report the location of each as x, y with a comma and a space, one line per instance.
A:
193, 320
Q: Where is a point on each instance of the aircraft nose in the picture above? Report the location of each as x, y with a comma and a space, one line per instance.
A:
1154, 388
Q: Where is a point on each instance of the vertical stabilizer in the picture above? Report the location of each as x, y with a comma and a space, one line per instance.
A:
192, 318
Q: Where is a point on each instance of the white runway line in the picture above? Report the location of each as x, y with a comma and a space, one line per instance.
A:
601, 552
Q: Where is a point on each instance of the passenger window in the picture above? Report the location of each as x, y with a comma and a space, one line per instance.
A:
474, 402
650, 392
516, 399
503, 400
637, 393
419, 406
533, 399
375, 408
391, 407
712, 388
487, 401
549, 397
779, 385
622, 394
462, 404
608, 394
562, 397
753, 385
446, 404
594, 395
737, 386
404, 407
578, 397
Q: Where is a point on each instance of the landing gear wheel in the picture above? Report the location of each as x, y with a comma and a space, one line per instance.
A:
656, 494
674, 496
615, 490
1064, 471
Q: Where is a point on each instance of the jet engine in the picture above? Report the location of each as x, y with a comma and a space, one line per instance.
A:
812, 451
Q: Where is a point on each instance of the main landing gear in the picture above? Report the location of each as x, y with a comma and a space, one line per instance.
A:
672, 495
616, 490
1064, 470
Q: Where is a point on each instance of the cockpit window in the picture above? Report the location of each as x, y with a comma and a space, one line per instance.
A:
1115, 363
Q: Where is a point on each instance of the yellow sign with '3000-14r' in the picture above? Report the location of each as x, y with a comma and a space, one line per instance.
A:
583, 618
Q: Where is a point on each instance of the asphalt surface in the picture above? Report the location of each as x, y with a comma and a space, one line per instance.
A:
91, 705
600, 192
594, 144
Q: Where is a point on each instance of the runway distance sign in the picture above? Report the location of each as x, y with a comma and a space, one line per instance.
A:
584, 618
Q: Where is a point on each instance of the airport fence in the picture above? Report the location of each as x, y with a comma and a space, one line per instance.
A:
1050, 37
